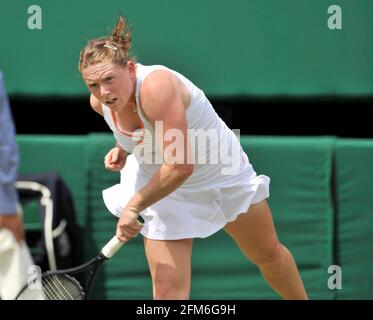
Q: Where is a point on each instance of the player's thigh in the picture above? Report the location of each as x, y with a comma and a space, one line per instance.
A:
169, 260
255, 233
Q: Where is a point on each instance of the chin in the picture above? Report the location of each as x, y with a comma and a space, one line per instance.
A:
118, 107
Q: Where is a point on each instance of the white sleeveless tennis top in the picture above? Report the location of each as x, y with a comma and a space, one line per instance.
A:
217, 151
222, 186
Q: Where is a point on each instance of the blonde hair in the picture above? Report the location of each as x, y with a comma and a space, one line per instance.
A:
113, 48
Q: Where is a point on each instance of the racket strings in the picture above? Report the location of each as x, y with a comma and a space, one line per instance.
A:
56, 289
53, 287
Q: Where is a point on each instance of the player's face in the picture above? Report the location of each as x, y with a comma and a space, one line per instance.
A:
111, 84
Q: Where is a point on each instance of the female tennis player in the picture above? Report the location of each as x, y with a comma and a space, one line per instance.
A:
187, 174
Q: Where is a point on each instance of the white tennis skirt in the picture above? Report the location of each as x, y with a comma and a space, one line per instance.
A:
188, 214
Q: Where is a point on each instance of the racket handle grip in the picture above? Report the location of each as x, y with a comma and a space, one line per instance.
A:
112, 247
115, 244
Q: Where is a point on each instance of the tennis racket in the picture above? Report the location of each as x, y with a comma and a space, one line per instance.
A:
61, 285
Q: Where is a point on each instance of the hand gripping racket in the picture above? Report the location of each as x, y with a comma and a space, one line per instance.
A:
61, 285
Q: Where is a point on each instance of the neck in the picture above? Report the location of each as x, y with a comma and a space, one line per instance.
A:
132, 102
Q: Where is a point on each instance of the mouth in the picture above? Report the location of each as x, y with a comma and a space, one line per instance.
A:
111, 102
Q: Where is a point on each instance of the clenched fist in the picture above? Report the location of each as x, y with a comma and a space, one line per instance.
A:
128, 225
115, 159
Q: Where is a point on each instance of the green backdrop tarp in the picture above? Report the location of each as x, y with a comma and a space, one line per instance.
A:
230, 48
300, 171
354, 186
64, 154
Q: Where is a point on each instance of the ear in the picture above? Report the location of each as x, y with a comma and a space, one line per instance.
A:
131, 68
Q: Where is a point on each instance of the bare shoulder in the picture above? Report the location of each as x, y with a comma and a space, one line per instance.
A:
164, 98
160, 82
96, 104
164, 88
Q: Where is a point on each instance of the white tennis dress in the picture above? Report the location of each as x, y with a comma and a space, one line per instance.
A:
223, 184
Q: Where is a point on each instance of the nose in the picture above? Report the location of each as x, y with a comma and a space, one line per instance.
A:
104, 91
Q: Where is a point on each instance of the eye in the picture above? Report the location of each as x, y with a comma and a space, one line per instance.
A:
109, 78
93, 85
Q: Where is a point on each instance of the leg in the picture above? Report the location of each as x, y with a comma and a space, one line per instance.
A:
255, 234
170, 267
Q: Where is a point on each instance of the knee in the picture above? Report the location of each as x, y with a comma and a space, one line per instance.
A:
168, 291
272, 256
170, 286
